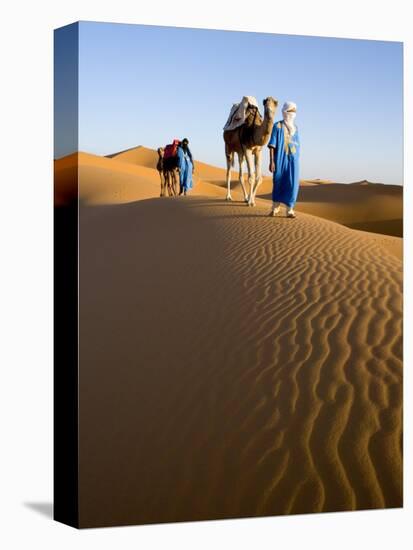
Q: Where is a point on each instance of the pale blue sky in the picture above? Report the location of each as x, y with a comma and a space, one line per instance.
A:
145, 85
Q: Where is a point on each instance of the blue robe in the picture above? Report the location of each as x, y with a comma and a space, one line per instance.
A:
185, 169
286, 178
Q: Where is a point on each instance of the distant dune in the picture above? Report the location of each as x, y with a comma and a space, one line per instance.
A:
131, 175
104, 180
140, 155
143, 156
362, 205
376, 208
363, 182
316, 181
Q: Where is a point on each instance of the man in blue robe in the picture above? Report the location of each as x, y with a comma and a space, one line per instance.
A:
186, 167
284, 148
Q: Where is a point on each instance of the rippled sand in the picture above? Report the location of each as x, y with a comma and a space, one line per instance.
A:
235, 365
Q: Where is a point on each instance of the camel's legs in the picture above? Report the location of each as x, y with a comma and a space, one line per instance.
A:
258, 173
165, 175
241, 176
251, 179
229, 164
168, 182
161, 175
174, 186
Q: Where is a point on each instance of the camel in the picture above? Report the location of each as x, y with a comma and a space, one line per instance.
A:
168, 173
247, 142
159, 167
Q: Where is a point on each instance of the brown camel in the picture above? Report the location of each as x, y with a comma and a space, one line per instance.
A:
159, 167
247, 142
170, 174
168, 170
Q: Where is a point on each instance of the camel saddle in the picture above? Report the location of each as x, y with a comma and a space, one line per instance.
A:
242, 112
171, 149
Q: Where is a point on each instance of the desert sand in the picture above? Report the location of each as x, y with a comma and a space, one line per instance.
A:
232, 364
130, 175
362, 205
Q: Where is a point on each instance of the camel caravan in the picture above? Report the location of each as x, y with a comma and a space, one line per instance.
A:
175, 164
246, 132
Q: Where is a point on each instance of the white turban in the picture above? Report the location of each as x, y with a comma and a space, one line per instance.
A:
289, 116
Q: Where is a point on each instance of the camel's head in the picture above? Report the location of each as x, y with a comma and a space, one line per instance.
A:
160, 151
270, 105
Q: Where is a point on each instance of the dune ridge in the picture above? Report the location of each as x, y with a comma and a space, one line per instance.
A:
105, 180
363, 205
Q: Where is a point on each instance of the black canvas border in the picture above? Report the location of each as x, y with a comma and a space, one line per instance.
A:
66, 318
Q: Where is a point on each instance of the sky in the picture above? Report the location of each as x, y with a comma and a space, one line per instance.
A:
66, 78
146, 85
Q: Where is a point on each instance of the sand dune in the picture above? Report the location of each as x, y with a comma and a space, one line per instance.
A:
144, 156
140, 155
258, 360
365, 206
258, 364
131, 175
374, 207
65, 180
104, 180
316, 181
